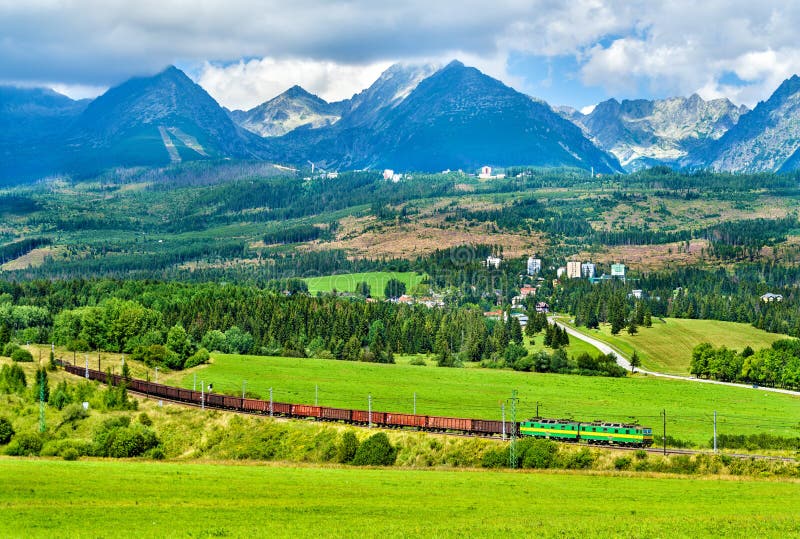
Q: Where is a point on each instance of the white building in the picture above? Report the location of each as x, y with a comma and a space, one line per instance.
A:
561, 271
588, 270
618, 270
486, 172
493, 261
573, 269
534, 265
388, 174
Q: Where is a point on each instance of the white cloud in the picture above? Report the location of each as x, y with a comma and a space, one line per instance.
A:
244, 85
334, 48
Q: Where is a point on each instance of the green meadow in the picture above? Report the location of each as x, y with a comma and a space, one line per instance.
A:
479, 393
667, 346
346, 282
144, 499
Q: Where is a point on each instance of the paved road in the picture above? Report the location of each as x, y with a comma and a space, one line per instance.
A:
622, 361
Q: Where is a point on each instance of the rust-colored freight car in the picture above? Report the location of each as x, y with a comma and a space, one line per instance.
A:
449, 423
234, 403
362, 416
255, 405
335, 414
405, 420
215, 399
305, 410
484, 426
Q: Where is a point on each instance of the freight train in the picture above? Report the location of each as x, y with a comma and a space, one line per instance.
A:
555, 429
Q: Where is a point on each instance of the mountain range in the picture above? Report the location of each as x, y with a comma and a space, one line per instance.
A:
413, 118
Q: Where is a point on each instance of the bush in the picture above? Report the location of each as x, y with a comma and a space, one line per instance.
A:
12, 379
10, 348
22, 356
62, 448
347, 448
579, 460
145, 420
375, 451
70, 454
114, 440
72, 414
495, 458
25, 445
198, 358
622, 463
640, 454
6, 431
418, 361
538, 453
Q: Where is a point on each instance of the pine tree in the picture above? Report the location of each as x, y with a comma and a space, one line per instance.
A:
632, 327
516, 330
635, 361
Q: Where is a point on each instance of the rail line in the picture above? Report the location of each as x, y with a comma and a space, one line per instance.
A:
489, 426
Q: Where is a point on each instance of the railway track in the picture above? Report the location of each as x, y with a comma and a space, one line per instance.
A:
653, 450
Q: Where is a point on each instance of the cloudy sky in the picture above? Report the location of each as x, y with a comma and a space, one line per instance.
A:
245, 51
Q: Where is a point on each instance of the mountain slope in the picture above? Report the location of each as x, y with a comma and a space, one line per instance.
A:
765, 139
292, 109
32, 122
153, 121
643, 132
456, 118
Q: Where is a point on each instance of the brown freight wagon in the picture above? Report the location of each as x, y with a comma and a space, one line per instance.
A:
214, 399
449, 423
171, 392
405, 420
255, 405
281, 408
336, 414
362, 416
187, 395
488, 427
234, 403
305, 410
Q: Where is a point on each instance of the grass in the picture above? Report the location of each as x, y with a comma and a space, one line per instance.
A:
667, 346
346, 282
480, 392
576, 347
110, 499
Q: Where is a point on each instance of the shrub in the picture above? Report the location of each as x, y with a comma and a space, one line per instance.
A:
12, 379
622, 463
70, 454
375, 451
418, 361
6, 431
145, 420
73, 413
9, 349
538, 453
579, 460
114, 440
25, 445
22, 356
640, 454
495, 458
60, 398
198, 358
347, 448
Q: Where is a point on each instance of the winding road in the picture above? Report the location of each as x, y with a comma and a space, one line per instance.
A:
622, 361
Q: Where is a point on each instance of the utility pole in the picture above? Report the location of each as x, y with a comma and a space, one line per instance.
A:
270, 402
316, 395
503, 409
87, 366
715, 431
194, 384
537, 409
244, 385
415, 403
512, 450
202, 395
99, 368
156, 374
369, 412
664, 432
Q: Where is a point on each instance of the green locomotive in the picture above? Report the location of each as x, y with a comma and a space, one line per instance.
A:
593, 433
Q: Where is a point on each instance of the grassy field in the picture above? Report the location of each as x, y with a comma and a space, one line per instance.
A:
667, 346
346, 282
111, 499
576, 347
480, 392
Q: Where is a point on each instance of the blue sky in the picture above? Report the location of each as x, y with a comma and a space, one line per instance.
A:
243, 52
